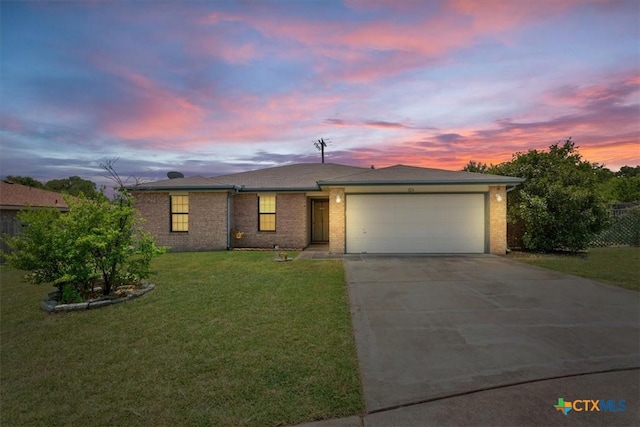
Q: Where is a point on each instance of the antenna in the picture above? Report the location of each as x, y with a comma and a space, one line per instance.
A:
320, 144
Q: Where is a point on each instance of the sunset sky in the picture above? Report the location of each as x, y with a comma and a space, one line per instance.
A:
215, 87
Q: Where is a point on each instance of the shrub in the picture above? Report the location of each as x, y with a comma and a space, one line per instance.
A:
70, 295
559, 203
96, 240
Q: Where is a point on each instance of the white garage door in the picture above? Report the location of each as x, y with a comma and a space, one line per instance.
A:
415, 223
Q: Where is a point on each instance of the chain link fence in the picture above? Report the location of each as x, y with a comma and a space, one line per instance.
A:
624, 228
9, 226
623, 231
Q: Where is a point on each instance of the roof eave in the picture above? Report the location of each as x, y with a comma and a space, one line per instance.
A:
26, 207
431, 182
277, 189
185, 187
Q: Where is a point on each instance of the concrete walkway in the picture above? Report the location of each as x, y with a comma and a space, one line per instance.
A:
483, 340
317, 251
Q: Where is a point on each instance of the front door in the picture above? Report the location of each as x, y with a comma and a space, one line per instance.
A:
319, 220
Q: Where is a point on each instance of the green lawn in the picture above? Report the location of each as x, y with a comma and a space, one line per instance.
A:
618, 266
226, 338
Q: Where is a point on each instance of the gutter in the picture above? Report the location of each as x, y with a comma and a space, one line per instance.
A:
403, 183
34, 207
184, 187
244, 189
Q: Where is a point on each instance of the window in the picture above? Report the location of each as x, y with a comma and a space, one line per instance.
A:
266, 213
180, 213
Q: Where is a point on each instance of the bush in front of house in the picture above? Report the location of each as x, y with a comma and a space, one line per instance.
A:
559, 205
95, 243
559, 202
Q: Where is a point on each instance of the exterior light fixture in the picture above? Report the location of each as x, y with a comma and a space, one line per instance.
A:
498, 197
338, 199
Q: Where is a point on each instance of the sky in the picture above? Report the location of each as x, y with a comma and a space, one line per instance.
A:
217, 87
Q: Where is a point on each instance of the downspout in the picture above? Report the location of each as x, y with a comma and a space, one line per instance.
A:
229, 196
513, 187
228, 221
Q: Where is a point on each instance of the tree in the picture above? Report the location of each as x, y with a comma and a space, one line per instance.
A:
73, 186
96, 241
622, 186
25, 180
559, 203
477, 167
628, 171
626, 189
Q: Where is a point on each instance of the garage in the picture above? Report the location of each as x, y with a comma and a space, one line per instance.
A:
416, 223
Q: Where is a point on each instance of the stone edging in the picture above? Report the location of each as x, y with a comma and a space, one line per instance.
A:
52, 306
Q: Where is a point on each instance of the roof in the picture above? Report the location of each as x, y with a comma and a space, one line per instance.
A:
311, 176
402, 175
299, 176
18, 196
188, 183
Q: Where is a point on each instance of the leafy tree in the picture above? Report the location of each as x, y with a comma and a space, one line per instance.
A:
628, 172
478, 167
25, 180
73, 185
559, 203
622, 186
97, 240
627, 189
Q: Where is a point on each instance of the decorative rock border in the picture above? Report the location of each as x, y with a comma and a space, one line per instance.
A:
52, 306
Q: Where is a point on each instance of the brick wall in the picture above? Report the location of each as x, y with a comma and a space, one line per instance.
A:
497, 220
336, 221
207, 220
292, 214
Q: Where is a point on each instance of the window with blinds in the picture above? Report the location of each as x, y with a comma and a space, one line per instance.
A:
180, 213
266, 213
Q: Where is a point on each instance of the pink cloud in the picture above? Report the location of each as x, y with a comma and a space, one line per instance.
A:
384, 5
12, 123
230, 52
374, 124
610, 92
366, 51
611, 152
492, 16
161, 116
356, 46
253, 119
157, 113
603, 122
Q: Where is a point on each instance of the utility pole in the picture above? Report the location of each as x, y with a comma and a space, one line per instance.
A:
320, 144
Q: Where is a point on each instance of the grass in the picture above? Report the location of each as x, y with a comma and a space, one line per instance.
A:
226, 338
618, 266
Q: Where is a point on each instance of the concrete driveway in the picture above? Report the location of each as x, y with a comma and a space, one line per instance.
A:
431, 327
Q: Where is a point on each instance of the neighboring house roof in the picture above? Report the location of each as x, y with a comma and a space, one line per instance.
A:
403, 175
311, 176
18, 196
300, 176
